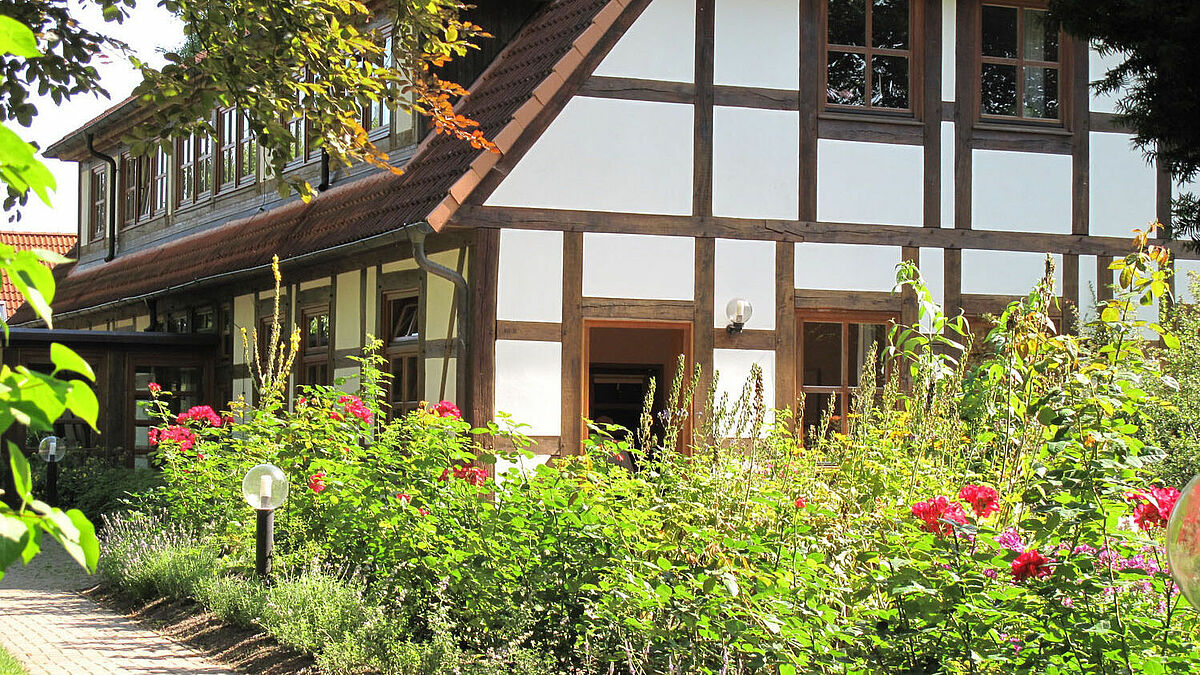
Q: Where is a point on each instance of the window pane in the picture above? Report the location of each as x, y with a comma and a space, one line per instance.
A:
864, 337
815, 407
890, 88
1041, 41
999, 94
822, 354
847, 78
1000, 31
1041, 92
848, 22
889, 24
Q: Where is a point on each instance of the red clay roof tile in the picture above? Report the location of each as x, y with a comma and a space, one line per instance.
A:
57, 242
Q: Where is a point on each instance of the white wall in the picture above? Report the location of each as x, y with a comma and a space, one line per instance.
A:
1124, 187
1089, 290
733, 368
756, 163
243, 317
529, 384
638, 266
745, 269
1021, 192
870, 183
773, 28
1097, 67
348, 312
846, 267
660, 45
1005, 272
608, 155
949, 39
948, 183
932, 263
530, 276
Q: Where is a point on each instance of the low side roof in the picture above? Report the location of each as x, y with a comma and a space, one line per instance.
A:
58, 242
504, 100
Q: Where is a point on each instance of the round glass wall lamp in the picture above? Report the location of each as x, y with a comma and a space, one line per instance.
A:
738, 311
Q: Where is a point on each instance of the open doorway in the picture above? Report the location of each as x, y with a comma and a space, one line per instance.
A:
621, 358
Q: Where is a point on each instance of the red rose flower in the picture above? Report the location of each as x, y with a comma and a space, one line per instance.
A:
422, 510
404, 498
201, 413
1156, 507
983, 499
354, 407
800, 503
1030, 565
316, 482
154, 387
178, 434
446, 409
935, 510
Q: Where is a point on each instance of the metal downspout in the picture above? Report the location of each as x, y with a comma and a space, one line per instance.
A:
111, 232
416, 234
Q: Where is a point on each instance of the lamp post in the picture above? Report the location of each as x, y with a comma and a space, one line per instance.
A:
265, 489
51, 450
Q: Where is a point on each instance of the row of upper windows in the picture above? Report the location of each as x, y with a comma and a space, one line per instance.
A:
869, 58
202, 166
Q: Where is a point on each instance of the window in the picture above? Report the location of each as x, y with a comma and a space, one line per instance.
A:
178, 322
98, 215
236, 150
185, 385
194, 169
314, 347
247, 151
869, 54
833, 356
159, 167
129, 190
203, 163
1020, 64
377, 115
402, 328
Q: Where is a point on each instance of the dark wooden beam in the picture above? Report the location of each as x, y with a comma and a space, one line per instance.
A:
964, 110
529, 330
952, 281
702, 155
573, 367
484, 273
931, 110
745, 339
636, 310
703, 310
810, 91
855, 301
785, 325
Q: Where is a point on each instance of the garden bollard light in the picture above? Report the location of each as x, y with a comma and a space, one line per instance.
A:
51, 450
265, 489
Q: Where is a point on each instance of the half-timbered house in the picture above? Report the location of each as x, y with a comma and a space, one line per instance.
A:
657, 159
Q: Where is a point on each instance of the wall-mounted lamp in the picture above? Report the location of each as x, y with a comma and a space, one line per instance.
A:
738, 311
265, 488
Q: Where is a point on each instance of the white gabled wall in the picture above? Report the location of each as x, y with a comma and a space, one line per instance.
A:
1005, 272
660, 45
860, 182
1021, 192
773, 28
641, 266
756, 163
733, 369
530, 278
745, 269
529, 384
608, 155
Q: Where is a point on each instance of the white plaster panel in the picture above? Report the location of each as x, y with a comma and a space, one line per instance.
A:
530, 276
314, 283
642, 266
1184, 269
372, 302
773, 28
660, 45
350, 375
947, 168
1021, 192
1088, 290
745, 269
529, 384
733, 369
846, 267
1098, 67
932, 263
439, 387
949, 40
756, 163
877, 183
141, 323
439, 297
399, 266
608, 155
1124, 187
1005, 272
347, 333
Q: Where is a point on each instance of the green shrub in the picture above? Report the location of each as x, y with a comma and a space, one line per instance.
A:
233, 599
148, 558
96, 485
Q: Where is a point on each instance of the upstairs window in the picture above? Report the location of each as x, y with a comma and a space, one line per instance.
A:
314, 350
195, 168
1020, 63
156, 187
236, 150
98, 186
377, 115
129, 183
869, 54
247, 151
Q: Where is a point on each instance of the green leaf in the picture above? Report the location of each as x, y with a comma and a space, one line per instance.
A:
88, 542
22, 479
787, 669
17, 39
82, 401
65, 358
1170, 340
14, 537
21, 169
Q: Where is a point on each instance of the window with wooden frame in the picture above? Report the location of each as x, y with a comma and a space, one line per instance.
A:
401, 321
247, 155
869, 57
129, 189
1020, 63
227, 148
377, 115
98, 211
186, 384
835, 351
314, 346
194, 168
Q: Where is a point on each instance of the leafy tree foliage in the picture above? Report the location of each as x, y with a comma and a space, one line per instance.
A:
1160, 95
276, 60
